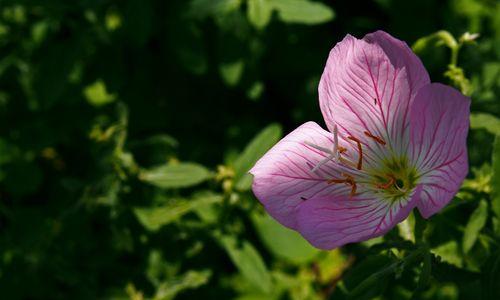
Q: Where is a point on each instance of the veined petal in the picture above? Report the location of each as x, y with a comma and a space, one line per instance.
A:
401, 56
368, 85
283, 178
439, 124
330, 222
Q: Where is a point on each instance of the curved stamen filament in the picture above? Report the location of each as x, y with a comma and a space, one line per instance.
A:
376, 138
360, 150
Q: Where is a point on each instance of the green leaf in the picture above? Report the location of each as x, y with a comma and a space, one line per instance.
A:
450, 253
259, 13
495, 181
485, 121
97, 95
204, 8
373, 284
153, 218
175, 175
283, 242
190, 280
249, 263
362, 286
490, 274
476, 222
255, 91
302, 11
481, 182
253, 151
231, 72
424, 276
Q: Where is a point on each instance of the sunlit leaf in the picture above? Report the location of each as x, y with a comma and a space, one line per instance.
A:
259, 12
259, 145
97, 94
207, 210
39, 31
190, 280
231, 72
332, 264
449, 252
481, 182
175, 175
283, 242
249, 263
476, 222
113, 21
302, 11
485, 121
153, 218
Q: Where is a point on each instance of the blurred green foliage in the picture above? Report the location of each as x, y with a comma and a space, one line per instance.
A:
128, 127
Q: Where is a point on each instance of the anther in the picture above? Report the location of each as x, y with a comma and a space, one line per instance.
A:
375, 99
388, 184
360, 158
376, 138
349, 180
353, 189
330, 181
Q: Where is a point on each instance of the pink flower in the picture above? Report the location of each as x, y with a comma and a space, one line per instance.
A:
395, 142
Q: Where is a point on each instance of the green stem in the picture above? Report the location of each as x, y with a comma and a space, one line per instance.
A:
454, 54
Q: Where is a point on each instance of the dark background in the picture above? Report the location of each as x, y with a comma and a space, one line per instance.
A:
95, 93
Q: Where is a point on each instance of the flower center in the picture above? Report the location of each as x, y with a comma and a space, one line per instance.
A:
394, 179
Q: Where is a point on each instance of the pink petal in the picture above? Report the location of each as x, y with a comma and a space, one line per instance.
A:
283, 177
331, 222
368, 85
401, 56
439, 123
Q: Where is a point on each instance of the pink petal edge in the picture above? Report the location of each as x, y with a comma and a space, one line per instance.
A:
328, 223
438, 144
369, 85
283, 177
